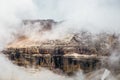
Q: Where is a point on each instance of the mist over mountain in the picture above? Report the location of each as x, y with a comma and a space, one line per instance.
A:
91, 23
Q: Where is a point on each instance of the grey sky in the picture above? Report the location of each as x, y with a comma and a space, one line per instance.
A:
93, 15
56, 8
90, 14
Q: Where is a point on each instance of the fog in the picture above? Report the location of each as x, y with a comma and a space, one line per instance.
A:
8, 71
91, 15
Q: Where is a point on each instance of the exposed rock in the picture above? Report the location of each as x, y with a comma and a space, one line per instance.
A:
77, 51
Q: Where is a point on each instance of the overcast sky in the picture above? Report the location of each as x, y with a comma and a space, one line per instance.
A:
90, 14
93, 15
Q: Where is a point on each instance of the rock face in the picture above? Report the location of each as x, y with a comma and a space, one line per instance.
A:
46, 23
53, 59
80, 51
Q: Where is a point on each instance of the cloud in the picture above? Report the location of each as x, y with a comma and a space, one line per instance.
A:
93, 15
11, 14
